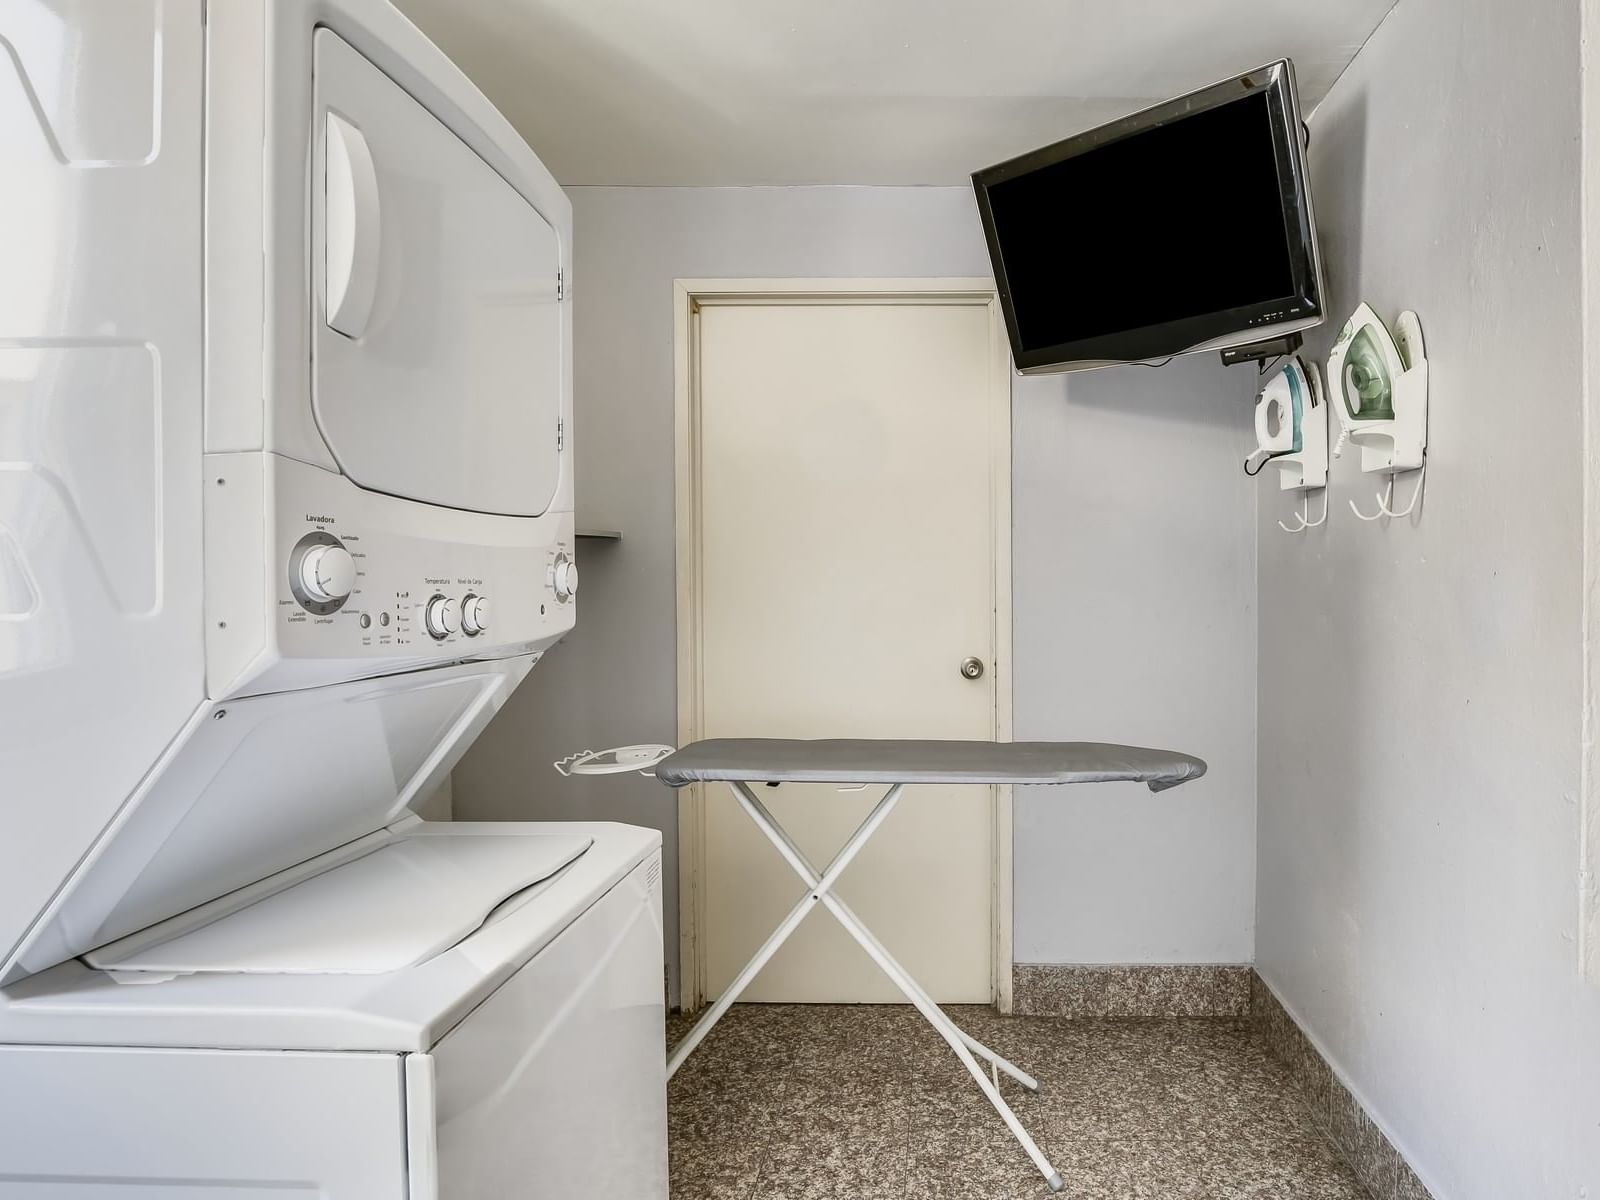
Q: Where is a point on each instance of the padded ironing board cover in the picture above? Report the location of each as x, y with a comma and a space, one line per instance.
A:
851, 760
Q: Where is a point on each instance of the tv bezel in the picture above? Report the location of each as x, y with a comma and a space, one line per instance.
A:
1272, 318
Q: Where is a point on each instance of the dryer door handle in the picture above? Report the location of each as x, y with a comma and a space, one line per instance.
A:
351, 228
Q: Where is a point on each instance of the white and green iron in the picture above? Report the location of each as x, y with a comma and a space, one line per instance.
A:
1292, 428
1292, 434
1381, 382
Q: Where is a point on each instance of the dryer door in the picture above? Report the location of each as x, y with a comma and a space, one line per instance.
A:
436, 339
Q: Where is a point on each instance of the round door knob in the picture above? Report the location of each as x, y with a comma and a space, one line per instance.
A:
564, 578
475, 615
972, 668
327, 573
442, 616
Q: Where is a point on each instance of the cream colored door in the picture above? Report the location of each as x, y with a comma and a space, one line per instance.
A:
850, 455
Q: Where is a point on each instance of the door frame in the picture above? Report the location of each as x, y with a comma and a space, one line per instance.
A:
689, 296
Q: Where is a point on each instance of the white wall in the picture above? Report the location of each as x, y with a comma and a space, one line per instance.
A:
1589, 917
1419, 683
1133, 573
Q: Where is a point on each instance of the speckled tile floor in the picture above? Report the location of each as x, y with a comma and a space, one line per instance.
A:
814, 1102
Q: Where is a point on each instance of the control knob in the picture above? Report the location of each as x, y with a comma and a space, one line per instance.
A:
564, 578
327, 573
475, 615
442, 616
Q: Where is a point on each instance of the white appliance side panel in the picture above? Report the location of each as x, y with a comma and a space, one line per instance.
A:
555, 1087
437, 350
422, 1128
114, 1124
257, 786
235, 215
100, 412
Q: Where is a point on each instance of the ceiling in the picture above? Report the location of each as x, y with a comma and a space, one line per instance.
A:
744, 92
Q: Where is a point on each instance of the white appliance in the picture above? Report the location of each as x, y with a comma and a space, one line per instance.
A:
285, 515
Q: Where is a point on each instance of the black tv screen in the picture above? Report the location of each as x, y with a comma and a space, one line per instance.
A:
1185, 227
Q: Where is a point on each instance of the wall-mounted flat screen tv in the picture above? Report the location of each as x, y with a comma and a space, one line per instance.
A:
1185, 227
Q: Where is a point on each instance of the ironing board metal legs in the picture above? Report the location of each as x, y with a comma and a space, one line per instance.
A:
858, 929
781, 934
820, 891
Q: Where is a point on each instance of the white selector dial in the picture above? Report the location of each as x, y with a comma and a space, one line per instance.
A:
475, 614
564, 578
327, 573
442, 616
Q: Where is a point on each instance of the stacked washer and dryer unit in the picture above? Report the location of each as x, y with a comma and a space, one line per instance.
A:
285, 515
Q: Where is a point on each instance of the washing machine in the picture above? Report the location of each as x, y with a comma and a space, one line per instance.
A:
285, 515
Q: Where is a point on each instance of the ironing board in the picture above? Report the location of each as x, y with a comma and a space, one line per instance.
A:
740, 762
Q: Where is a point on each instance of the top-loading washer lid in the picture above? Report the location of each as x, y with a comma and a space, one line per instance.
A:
286, 778
395, 907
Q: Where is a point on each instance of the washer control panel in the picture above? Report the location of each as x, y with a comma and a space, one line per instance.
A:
341, 583
352, 591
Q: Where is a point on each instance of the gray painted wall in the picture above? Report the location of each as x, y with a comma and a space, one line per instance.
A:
1134, 573
1419, 683
440, 804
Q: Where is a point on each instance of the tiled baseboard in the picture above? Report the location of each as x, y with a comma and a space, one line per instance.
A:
1075, 990
1337, 1113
